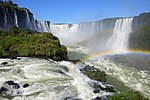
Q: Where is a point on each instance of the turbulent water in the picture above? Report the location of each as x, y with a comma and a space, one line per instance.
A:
130, 68
133, 77
48, 80
16, 19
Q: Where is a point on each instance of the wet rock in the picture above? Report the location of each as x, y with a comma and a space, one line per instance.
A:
59, 71
97, 90
25, 85
106, 87
90, 68
65, 68
10, 89
72, 98
16, 86
94, 73
101, 98
10, 82
14, 57
2, 89
75, 61
4, 63
97, 98
18, 58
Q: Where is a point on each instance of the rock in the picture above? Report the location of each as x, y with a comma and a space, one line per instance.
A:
59, 71
14, 57
106, 87
72, 98
75, 61
97, 90
4, 63
25, 85
110, 89
10, 82
94, 73
97, 98
101, 98
16, 86
90, 68
2, 89
18, 58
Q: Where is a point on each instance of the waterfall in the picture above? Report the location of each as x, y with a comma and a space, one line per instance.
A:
28, 21
119, 39
16, 19
42, 26
5, 17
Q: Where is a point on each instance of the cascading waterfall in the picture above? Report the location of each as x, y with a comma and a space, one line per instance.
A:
42, 26
16, 19
28, 21
119, 39
5, 17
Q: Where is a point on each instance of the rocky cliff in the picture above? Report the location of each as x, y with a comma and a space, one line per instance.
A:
140, 36
11, 15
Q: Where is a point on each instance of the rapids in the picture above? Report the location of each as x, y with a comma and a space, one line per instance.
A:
47, 79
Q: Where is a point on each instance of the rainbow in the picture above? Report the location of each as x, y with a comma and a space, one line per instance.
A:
102, 53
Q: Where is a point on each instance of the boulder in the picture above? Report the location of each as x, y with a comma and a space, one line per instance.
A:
97, 90
25, 85
14, 85
94, 73
4, 63
14, 57
10, 82
2, 89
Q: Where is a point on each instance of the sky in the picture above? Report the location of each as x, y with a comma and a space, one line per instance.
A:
75, 11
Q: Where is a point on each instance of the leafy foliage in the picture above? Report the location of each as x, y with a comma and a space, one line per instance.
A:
9, 3
127, 95
33, 44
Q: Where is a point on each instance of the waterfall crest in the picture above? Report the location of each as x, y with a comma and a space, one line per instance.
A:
16, 19
119, 38
28, 21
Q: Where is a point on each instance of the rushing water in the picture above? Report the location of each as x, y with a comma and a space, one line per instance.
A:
16, 19
48, 80
28, 21
119, 39
130, 68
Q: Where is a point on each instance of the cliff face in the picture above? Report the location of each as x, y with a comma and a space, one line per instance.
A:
22, 18
141, 20
140, 36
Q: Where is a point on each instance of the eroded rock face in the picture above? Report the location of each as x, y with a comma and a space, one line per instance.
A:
11, 16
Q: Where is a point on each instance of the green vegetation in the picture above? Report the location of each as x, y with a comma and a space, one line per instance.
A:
32, 44
94, 73
9, 3
127, 95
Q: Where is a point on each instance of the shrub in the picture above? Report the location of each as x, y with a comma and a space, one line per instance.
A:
127, 95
